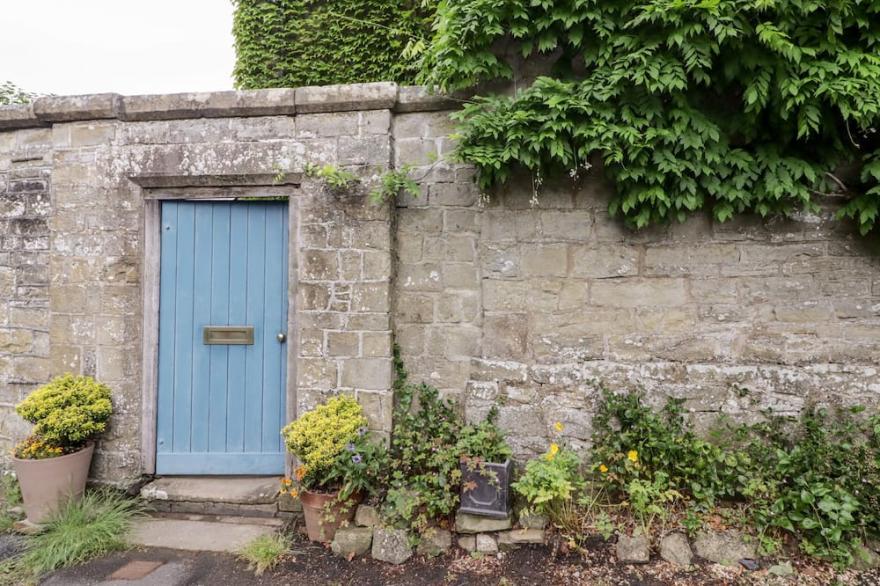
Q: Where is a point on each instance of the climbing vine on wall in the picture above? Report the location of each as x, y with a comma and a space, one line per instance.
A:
289, 43
12, 94
725, 105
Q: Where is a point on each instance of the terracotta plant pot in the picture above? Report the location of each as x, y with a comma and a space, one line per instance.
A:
46, 484
324, 514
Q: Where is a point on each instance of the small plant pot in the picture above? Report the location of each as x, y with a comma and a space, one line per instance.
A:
485, 489
324, 514
48, 483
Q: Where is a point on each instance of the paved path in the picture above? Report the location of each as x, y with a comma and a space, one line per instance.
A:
156, 567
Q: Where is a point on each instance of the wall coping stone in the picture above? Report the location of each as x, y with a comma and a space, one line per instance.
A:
340, 98
18, 116
266, 102
231, 103
71, 108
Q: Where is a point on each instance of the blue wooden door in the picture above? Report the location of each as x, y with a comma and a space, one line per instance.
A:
221, 405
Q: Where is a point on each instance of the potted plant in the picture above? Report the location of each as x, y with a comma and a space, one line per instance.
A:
338, 464
486, 469
52, 464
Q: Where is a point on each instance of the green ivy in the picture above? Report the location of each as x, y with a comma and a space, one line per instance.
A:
289, 43
12, 94
735, 107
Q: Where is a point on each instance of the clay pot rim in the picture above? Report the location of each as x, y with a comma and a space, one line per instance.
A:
89, 445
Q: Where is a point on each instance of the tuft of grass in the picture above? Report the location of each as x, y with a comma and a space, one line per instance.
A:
80, 531
264, 552
10, 490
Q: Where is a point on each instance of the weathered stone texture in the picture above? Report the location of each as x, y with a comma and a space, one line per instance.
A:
734, 317
492, 298
25, 210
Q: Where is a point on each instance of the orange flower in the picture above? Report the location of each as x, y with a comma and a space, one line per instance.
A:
300, 472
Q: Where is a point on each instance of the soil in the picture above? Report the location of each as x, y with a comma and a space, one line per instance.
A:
311, 565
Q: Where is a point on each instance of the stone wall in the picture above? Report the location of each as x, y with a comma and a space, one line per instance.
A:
493, 300
25, 208
537, 307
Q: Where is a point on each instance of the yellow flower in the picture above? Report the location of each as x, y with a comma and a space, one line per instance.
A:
551, 453
633, 456
558, 426
603, 468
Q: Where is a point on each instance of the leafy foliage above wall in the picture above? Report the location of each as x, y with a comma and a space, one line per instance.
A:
723, 105
289, 43
12, 94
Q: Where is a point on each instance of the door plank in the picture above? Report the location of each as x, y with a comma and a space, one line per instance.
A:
219, 354
183, 328
256, 285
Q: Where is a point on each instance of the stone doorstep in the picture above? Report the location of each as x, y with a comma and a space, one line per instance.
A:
196, 535
233, 519
239, 490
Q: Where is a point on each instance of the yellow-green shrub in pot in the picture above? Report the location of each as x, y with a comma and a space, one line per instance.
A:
52, 464
338, 464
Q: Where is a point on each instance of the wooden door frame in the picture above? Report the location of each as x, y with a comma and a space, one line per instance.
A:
158, 188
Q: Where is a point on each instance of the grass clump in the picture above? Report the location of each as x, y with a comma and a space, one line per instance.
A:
264, 552
79, 531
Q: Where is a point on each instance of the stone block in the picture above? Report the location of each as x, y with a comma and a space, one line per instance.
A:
570, 225
465, 523
461, 275
369, 150
516, 537
69, 108
371, 297
467, 542
452, 194
633, 550
603, 261
725, 547
225, 104
377, 409
376, 344
352, 541
639, 292
416, 98
16, 116
504, 336
434, 542
416, 152
327, 125
366, 373
316, 373
343, 344
342, 98
420, 277
674, 548
366, 516
703, 260
487, 543
319, 265
543, 260
391, 545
